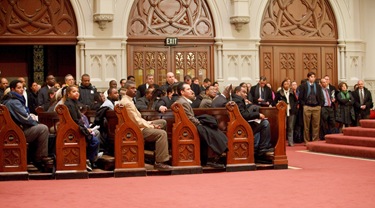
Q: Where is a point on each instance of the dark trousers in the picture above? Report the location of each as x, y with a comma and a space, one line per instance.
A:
327, 121
265, 135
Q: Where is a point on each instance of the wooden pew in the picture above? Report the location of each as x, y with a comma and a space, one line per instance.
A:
277, 119
13, 156
70, 147
240, 154
129, 146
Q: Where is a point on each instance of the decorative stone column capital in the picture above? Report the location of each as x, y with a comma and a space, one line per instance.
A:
103, 19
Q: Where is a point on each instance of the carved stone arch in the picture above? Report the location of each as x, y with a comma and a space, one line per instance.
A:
31, 22
297, 37
152, 21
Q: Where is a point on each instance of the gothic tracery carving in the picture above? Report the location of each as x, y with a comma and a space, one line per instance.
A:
37, 18
171, 17
300, 19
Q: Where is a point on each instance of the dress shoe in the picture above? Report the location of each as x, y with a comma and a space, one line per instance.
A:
215, 165
162, 166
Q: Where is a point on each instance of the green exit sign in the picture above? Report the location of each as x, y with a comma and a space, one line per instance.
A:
171, 41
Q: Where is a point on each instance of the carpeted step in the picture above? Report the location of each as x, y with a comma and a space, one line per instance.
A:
350, 140
338, 149
367, 123
359, 131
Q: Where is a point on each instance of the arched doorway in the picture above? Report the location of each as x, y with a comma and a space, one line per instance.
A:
297, 37
37, 38
151, 23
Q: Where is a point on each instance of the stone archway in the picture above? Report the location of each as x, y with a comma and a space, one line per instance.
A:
297, 37
151, 22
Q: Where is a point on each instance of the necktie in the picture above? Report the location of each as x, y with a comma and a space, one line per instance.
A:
327, 97
361, 96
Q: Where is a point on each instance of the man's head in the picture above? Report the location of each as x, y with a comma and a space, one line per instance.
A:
113, 84
187, 79
122, 82
34, 87
148, 93
185, 91
323, 83
50, 80
170, 78
326, 77
196, 80
3, 83
131, 78
113, 94
16, 86
311, 77
360, 84
241, 91
211, 91
150, 79
206, 82
262, 81
131, 90
85, 80
294, 85
69, 80
23, 81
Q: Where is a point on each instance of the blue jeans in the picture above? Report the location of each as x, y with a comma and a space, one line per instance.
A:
92, 148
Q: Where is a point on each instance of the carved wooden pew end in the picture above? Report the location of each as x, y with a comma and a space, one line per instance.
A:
13, 158
70, 147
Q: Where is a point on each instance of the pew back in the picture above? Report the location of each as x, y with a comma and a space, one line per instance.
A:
13, 156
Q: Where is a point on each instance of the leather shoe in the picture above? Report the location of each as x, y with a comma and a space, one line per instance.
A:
162, 166
215, 165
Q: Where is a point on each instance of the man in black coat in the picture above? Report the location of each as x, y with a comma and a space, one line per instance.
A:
257, 122
43, 97
141, 90
87, 92
261, 93
362, 102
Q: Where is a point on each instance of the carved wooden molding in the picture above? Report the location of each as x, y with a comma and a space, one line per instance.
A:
299, 19
170, 18
26, 21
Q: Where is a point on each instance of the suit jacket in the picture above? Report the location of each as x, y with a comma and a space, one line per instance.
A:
134, 114
206, 102
248, 112
142, 103
367, 100
43, 98
188, 110
254, 91
163, 101
219, 101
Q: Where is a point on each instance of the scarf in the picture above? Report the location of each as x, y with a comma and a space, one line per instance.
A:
345, 95
21, 98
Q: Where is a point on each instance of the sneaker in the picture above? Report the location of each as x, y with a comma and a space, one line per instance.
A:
162, 166
88, 165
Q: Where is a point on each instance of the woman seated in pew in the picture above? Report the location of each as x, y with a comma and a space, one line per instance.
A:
72, 95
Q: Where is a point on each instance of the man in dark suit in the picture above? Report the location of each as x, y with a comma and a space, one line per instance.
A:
362, 102
262, 95
141, 91
43, 97
222, 99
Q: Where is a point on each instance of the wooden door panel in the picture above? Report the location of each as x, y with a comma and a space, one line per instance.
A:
294, 62
143, 60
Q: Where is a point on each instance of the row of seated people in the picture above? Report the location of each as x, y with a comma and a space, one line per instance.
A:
149, 129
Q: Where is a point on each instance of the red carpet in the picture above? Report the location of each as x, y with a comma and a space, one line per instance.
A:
322, 181
355, 141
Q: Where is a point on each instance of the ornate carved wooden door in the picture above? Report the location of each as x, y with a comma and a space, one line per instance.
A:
151, 22
298, 37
